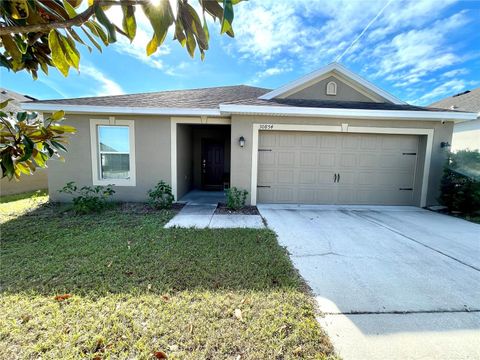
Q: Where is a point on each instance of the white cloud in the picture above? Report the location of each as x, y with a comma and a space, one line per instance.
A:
106, 85
455, 72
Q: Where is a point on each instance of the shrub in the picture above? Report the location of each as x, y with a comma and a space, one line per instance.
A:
88, 199
161, 196
460, 187
236, 198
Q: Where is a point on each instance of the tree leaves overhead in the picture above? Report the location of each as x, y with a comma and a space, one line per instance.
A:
41, 34
27, 141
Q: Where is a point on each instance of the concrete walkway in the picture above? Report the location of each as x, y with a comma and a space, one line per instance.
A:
199, 212
393, 282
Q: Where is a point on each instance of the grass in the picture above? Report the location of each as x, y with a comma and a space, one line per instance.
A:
137, 288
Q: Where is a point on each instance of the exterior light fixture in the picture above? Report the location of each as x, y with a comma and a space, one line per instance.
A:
445, 144
241, 141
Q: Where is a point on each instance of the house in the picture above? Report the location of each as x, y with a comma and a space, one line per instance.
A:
37, 181
330, 137
466, 135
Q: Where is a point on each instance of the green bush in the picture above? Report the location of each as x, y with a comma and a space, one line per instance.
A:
460, 185
236, 198
161, 196
89, 199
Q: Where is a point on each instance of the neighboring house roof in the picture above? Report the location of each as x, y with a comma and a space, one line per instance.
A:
465, 101
204, 98
14, 105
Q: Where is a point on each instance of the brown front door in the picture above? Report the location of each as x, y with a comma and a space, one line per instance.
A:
213, 164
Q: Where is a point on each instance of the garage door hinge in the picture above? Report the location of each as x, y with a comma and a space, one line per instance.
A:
263, 186
264, 149
409, 153
409, 189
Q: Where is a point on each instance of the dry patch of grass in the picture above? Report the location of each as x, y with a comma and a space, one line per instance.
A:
135, 288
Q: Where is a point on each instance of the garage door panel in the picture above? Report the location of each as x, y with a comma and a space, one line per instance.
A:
300, 167
307, 177
286, 177
326, 160
286, 159
308, 159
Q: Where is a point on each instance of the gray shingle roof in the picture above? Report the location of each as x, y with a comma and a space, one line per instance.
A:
211, 98
465, 101
14, 105
333, 104
205, 98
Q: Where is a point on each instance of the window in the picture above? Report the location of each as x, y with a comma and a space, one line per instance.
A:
113, 152
332, 88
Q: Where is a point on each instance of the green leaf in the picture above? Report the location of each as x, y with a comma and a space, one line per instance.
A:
3, 104
21, 116
8, 168
11, 46
69, 8
103, 19
57, 115
160, 17
129, 23
92, 40
227, 19
58, 145
71, 53
58, 56
152, 45
29, 145
191, 44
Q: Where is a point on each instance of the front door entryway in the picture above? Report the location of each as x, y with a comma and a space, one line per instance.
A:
213, 164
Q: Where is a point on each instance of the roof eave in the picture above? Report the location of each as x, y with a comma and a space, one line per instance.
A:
119, 110
227, 109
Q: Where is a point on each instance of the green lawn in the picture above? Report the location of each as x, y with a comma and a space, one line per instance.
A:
137, 288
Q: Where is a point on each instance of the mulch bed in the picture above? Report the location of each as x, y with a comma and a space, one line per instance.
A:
144, 208
246, 210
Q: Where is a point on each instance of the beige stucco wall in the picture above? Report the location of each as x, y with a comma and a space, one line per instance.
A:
241, 168
318, 91
185, 159
466, 136
152, 149
39, 180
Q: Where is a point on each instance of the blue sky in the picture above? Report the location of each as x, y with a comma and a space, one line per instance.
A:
419, 50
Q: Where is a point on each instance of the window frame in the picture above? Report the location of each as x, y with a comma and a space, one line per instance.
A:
95, 150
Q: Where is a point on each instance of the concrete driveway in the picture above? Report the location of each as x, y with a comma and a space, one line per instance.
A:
393, 282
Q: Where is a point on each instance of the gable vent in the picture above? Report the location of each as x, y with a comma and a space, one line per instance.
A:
332, 88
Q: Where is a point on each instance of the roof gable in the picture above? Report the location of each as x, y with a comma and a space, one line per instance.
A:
359, 89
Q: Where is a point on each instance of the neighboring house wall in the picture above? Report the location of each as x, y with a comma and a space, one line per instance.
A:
466, 136
242, 157
152, 160
39, 180
318, 92
185, 159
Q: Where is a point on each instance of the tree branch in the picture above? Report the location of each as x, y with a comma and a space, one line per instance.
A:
78, 20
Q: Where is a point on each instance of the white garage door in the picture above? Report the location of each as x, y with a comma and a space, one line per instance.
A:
333, 168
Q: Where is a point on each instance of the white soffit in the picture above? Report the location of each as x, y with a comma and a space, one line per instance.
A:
318, 75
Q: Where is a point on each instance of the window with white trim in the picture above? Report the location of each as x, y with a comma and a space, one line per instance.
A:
113, 158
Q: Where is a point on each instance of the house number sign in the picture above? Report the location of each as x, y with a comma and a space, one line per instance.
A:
266, 126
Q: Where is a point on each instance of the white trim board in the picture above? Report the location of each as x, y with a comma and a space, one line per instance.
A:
333, 67
119, 110
345, 128
204, 120
227, 109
